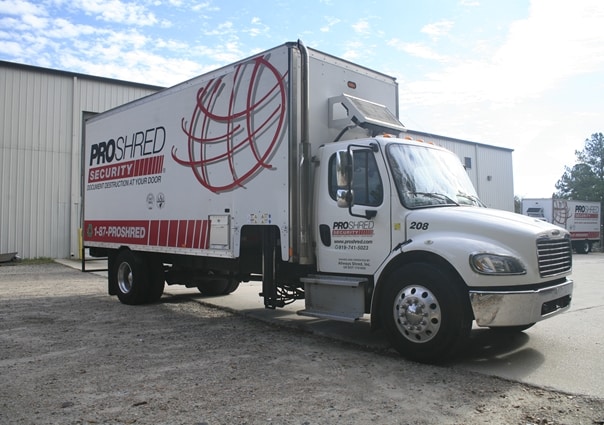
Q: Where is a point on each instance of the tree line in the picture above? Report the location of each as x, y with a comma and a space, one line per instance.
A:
584, 181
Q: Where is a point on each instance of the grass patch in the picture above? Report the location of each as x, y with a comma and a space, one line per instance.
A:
37, 260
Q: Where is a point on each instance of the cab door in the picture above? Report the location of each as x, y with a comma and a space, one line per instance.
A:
353, 240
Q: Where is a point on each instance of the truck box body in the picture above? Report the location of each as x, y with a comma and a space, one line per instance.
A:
186, 168
288, 168
581, 218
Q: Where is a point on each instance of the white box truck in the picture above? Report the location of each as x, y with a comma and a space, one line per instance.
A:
287, 168
581, 218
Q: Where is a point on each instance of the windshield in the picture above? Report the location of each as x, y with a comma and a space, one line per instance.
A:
428, 177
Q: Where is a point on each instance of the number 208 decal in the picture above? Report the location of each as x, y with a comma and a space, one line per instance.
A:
419, 225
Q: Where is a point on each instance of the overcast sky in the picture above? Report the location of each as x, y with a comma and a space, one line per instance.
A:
521, 74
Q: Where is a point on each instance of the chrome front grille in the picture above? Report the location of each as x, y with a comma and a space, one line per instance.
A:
554, 256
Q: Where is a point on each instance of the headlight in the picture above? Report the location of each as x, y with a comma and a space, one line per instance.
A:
496, 264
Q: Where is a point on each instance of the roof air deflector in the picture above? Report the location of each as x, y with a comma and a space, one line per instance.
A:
369, 115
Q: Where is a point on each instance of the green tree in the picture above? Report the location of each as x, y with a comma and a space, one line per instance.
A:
584, 181
517, 204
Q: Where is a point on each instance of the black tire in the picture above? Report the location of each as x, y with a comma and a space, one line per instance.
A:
131, 278
157, 280
218, 287
426, 312
582, 247
232, 287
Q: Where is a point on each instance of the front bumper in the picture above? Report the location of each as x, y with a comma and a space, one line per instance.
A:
517, 308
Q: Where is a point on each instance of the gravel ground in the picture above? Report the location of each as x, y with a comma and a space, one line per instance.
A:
71, 354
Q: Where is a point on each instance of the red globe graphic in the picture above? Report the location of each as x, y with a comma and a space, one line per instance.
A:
236, 125
561, 213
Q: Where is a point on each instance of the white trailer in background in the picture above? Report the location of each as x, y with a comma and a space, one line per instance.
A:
581, 218
287, 168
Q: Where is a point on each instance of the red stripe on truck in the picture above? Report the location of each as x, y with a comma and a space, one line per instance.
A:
168, 233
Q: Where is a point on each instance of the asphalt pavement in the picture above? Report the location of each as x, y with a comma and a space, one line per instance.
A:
564, 353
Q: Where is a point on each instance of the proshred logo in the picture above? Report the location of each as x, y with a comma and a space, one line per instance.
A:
142, 143
353, 228
115, 158
587, 211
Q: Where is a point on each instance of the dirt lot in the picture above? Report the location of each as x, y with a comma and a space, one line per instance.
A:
70, 354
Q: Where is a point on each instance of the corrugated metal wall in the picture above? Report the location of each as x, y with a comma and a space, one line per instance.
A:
490, 168
40, 157
495, 179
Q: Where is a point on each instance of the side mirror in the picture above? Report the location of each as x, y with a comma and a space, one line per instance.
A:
344, 198
344, 167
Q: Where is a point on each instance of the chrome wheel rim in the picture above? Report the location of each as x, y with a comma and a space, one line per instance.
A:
124, 277
417, 314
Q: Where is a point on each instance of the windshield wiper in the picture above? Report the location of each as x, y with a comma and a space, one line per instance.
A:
472, 198
435, 195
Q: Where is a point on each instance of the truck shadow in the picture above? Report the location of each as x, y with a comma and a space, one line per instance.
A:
485, 351
507, 355
487, 344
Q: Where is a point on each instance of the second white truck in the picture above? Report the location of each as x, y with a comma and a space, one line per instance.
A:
581, 218
288, 168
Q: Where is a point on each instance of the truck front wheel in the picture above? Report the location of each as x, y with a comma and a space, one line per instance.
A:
426, 313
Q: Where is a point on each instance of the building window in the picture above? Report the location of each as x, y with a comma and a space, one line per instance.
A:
467, 162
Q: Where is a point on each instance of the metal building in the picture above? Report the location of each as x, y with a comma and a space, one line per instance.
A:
41, 116
489, 167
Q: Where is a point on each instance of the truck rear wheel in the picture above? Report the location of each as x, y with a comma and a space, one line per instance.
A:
156, 282
131, 278
218, 287
426, 313
582, 247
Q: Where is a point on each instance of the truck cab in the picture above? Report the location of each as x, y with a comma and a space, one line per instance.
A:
422, 255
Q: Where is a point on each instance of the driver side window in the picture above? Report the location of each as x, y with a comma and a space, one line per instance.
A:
366, 181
